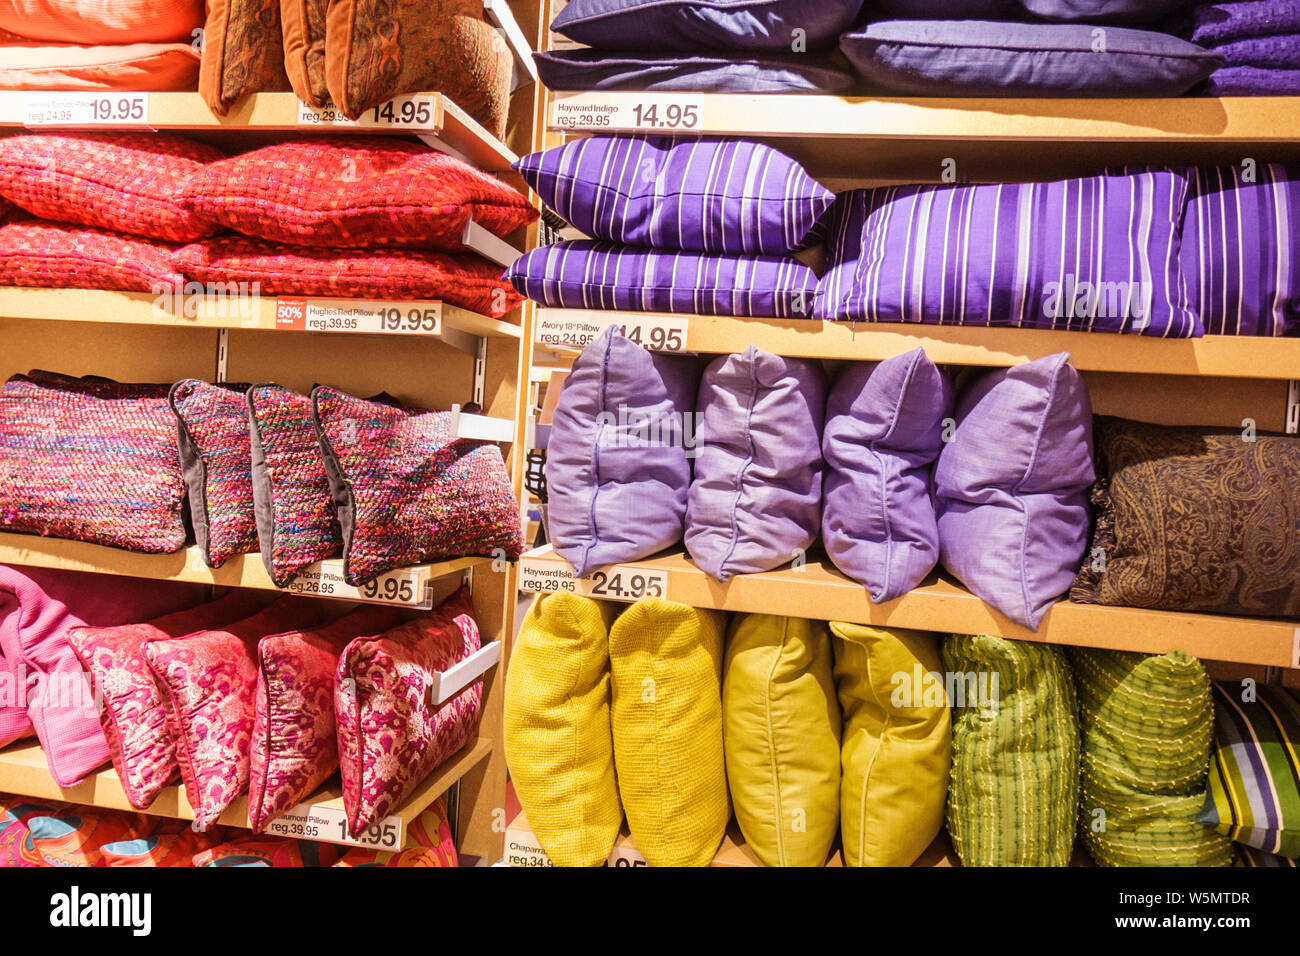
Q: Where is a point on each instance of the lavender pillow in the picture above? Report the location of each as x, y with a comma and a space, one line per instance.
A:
1107, 11
617, 465
755, 503
986, 58
1253, 81
1000, 255
718, 196
884, 430
1011, 487
583, 70
1217, 23
583, 274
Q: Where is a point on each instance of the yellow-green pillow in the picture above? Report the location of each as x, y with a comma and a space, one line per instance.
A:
665, 664
897, 743
781, 727
558, 742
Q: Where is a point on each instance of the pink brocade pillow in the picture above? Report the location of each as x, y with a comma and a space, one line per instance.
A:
208, 683
132, 714
389, 737
52, 255
295, 741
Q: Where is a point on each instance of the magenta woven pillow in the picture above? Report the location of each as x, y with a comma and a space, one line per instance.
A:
92, 460
212, 431
407, 491
126, 182
295, 738
354, 192
133, 717
208, 682
467, 280
51, 255
389, 736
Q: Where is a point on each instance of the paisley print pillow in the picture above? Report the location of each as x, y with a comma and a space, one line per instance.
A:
243, 52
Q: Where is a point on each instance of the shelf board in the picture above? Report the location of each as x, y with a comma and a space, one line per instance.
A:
818, 591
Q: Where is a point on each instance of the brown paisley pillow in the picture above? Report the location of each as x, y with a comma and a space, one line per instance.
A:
378, 49
1194, 519
242, 52
303, 23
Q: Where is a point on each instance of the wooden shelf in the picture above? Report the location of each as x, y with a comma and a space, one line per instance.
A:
819, 591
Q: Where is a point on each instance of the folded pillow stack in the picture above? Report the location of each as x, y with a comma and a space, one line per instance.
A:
1259, 41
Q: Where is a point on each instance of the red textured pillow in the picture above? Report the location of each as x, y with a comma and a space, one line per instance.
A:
126, 182
51, 255
354, 192
467, 281
295, 742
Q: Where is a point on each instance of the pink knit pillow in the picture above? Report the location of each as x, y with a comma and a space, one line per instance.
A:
295, 741
52, 255
389, 736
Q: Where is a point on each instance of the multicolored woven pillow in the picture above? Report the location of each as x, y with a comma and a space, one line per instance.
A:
124, 182
407, 490
389, 735
51, 255
295, 738
91, 460
243, 52
297, 524
212, 431
354, 192
468, 280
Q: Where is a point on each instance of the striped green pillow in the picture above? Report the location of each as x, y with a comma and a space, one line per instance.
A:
1147, 723
1013, 800
1254, 793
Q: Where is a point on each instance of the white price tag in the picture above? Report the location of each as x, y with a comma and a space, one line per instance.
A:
86, 109
653, 330
413, 111
325, 579
330, 825
629, 113
359, 315
618, 583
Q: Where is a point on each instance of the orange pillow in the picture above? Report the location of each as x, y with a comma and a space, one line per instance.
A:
144, 67
95, 22
303, 24
243, 52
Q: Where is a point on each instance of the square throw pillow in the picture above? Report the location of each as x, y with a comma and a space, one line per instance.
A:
243, 52
297, 523
714, 72
208, 683
617, 464
121, 181
91, 460
1013, 526
102, 21
407, 490
985, 58
353, 192
884, 431
755, 501
295, 740
390, 736
1194, 519
582, 274
212, 434
134, 67
996, 254
52, 255
132, 715
303, 26
715, 196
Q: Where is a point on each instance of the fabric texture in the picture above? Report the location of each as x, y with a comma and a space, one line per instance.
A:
691, 73
1217, 23
243, 52
1194, 519
264, 851
134, 67
302, 23
1099, 11
556, 730
1269, 53
73, 836
1147, 725
102, 21
172, 843
666, 711
51, 255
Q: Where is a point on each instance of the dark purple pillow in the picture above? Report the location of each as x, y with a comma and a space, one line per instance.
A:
582, 70
755, 503
1253, 81
1011, 487
884, 430
616, 465
986, 58
1099, 11
716, 196
583, 274
1216, 23
1270, 53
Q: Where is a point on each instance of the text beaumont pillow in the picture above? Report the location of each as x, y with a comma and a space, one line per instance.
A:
1013, 525
243, 52
1194, 519
102, 21
884, 430
715, 72
617, 465
986, 58
997, 254
52, 255
755, 502
716, 196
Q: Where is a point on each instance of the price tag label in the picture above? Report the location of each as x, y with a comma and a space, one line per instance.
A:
654, 331
359, 315
325, 579
330, 825
617, 583
629, 113
413, 111
86, 109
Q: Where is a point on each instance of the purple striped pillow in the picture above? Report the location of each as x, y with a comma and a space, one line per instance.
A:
720, 196
583, 274
1099, 254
